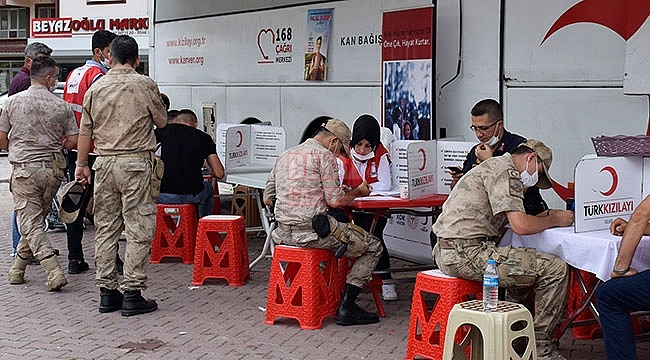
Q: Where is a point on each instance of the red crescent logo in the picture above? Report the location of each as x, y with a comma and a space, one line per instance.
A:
624, 17
424, 159
612, 172
241, 138
259, 45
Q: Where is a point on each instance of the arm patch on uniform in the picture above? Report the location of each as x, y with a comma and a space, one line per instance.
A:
515, 185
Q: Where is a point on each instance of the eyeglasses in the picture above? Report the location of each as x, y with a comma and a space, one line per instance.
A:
483, 128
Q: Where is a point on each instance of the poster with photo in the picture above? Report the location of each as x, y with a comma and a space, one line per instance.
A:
407, 81
319, 23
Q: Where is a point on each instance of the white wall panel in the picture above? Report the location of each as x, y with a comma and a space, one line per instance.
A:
262, 103
302, 105
567, 119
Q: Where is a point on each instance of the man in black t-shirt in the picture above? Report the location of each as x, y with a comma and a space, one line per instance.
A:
495, 140
184, 149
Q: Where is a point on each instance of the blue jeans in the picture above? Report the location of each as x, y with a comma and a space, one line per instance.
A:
205, 199
15, 234
616, 298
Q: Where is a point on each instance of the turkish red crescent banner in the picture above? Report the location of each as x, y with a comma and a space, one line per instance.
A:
407, 73
407, 34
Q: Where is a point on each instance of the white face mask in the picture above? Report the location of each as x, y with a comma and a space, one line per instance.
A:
494, 139
529, 179
53, 87
105, 63
362, 158
333, 150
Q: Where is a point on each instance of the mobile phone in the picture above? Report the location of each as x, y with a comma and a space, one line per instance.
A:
455, 169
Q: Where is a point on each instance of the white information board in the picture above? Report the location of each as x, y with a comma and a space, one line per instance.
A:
606, 188
421, 165
247, 148
450, 153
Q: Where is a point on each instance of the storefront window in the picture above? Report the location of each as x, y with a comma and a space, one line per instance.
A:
13, 23
45, 11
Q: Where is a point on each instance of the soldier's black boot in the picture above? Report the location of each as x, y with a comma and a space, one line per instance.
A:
135, 304
349, 313
110, 300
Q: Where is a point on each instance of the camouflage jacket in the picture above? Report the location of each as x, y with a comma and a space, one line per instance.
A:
477, 205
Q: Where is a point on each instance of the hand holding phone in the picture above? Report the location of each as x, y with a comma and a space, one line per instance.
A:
455, 169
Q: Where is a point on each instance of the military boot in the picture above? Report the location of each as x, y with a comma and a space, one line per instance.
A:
349, 313
55, 277
17, 271
110, 300
135, 304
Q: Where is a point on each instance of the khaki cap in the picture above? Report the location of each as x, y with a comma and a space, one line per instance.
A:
341, 131
70, 198
546, 155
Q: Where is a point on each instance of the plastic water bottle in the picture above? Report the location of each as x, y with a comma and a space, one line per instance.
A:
491, 286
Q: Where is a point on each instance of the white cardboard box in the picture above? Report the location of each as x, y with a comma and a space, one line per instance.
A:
606, 188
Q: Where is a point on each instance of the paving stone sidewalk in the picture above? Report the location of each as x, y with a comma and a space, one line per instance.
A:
214, 321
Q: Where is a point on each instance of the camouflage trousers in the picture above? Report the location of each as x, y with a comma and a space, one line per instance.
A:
522, 271
123, 202
33, 189
363, 266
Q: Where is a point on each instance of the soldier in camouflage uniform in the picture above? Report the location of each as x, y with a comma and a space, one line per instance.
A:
483, 201
119, 113
38, 120
303, 184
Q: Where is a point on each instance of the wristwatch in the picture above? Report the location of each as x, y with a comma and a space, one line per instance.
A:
621, 272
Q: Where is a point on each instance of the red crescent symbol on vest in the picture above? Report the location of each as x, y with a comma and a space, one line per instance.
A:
424, 159
612, 172
241, 138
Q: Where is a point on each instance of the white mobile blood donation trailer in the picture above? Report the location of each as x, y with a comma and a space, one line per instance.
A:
564, 70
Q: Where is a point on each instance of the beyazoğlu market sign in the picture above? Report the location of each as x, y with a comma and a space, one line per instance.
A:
67, 27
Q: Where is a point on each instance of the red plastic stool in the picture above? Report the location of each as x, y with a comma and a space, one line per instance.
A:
427, 326
221, 250
175, 233
303, 285
375, 283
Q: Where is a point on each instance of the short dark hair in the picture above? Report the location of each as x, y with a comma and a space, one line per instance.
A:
185, 116
124, 49
172, 114
250, 121
165, 100
314, 127
490, 107
42, 66
102, 39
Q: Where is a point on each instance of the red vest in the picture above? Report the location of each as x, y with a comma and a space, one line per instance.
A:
352, 178
78, 82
